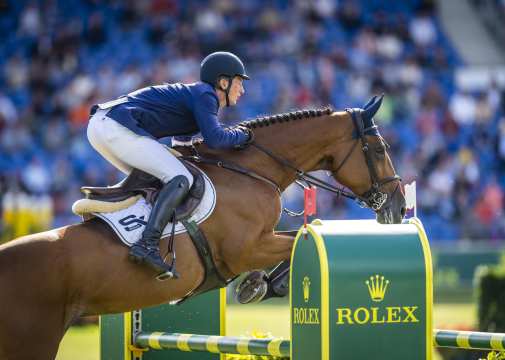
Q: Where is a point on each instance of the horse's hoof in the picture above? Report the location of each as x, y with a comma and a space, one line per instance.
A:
253, 287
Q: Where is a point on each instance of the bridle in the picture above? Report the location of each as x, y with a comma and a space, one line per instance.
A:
374, 198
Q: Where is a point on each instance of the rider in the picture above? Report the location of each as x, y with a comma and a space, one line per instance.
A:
125, 132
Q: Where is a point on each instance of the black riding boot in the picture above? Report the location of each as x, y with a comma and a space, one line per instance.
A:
147, 250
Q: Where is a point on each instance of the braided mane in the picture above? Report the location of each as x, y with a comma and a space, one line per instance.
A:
264, 121
279, 118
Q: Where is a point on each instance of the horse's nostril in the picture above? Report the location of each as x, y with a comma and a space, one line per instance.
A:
403, 211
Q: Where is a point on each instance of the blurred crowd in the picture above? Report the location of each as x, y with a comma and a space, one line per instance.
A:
59, 57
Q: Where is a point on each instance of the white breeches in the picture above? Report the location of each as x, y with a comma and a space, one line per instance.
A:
126, 150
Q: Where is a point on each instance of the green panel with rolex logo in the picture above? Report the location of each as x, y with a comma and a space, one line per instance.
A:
377, 280
306, 309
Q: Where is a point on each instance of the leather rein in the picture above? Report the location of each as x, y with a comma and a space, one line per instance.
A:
374, 198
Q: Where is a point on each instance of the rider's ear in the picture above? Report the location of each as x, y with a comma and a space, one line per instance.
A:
222, 83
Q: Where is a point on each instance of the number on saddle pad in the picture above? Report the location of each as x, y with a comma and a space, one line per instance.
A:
132, 222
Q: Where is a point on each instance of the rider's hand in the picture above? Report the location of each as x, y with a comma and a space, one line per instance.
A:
250, 137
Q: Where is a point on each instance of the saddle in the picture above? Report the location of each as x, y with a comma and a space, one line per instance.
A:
148, 186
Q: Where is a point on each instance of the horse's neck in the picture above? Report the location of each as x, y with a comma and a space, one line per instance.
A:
303, 143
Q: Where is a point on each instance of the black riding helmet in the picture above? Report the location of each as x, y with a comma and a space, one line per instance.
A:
222, 64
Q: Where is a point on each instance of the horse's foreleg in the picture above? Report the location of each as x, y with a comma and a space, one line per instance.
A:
278, 278
258, 285
272, 249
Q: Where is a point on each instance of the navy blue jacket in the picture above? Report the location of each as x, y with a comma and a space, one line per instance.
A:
174, 110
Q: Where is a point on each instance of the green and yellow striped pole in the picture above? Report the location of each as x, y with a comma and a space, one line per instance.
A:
469, 340
213, 344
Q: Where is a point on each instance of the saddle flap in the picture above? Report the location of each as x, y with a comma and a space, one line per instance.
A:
138, 182
129, 221
142, 183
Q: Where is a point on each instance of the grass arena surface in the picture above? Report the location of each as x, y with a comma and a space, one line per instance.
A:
81, 343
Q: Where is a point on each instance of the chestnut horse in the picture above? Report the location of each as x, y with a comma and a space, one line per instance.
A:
49, 279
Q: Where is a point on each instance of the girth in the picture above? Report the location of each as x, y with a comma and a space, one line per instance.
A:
212, 278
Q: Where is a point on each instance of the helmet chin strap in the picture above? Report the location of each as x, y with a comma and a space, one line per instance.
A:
227, 92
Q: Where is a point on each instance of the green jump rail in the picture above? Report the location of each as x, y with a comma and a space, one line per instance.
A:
280, 347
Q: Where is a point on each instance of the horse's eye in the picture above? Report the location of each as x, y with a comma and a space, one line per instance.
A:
380, 150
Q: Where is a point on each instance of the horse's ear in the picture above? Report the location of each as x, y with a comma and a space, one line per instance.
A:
370, 102
372, 107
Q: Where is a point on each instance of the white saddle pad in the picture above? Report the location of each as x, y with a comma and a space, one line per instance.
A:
129, 223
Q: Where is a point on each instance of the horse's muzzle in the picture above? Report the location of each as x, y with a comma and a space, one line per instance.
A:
393, 211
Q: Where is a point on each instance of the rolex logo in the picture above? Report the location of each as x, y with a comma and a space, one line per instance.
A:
306, 288
377, 287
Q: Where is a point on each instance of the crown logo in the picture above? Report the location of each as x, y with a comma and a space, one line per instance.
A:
377, 287
306, 288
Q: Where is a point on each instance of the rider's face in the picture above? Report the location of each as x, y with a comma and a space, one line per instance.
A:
236, 90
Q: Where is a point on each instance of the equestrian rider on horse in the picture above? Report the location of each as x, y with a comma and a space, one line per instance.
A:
125, 132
